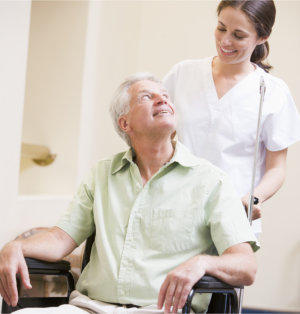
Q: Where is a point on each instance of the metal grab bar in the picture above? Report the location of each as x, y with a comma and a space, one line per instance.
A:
38, 153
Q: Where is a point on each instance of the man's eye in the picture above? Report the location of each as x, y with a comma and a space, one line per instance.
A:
146, 96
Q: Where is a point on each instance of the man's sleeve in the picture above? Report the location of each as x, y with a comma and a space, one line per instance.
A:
78, 219
226, 217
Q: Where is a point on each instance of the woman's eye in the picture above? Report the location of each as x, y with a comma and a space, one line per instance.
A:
221, 29
237, 36
146, 97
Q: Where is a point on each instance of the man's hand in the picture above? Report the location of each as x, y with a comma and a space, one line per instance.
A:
12, 262
178, 284
236, 266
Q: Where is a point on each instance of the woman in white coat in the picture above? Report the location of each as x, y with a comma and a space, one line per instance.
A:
217, 102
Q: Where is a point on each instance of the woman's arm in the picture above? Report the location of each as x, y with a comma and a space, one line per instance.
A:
274, 175
271, 181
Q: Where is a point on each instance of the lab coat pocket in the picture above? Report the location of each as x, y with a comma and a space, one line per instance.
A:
245, 124
171, 229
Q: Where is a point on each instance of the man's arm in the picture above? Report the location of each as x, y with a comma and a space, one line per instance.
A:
236, 266
51, 245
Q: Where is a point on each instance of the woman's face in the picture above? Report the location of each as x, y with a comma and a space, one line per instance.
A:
235, 36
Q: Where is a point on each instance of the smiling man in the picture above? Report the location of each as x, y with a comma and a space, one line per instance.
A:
163, 218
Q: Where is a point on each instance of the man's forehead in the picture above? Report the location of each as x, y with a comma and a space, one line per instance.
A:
146, 85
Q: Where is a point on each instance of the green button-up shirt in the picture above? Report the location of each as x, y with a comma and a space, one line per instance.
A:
188, 207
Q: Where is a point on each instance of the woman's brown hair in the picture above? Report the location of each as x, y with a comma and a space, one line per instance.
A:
262, 14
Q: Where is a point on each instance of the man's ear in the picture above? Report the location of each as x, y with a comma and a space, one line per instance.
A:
123, 124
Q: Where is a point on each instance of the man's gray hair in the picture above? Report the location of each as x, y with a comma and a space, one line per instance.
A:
121, 100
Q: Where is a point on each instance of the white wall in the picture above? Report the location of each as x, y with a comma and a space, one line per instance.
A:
14, 31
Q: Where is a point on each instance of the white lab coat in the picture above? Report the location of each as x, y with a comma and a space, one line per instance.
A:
224, 130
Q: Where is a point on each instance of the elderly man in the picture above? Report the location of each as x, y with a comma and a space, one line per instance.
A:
163, 218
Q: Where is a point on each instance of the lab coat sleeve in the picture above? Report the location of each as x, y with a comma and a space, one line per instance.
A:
281, 128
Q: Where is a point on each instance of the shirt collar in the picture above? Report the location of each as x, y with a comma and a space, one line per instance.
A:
126, 158
181, 156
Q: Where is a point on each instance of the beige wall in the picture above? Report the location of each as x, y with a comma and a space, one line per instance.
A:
80, 51
53, 93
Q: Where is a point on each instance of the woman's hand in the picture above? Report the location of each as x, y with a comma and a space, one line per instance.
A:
256, 210
271, 181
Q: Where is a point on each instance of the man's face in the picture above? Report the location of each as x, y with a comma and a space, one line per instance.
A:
151, 112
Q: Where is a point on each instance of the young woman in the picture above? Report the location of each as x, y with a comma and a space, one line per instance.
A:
217, 102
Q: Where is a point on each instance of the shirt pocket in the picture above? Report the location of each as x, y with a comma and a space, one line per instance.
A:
171, 229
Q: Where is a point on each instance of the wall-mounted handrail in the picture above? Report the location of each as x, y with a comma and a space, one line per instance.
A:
39, 154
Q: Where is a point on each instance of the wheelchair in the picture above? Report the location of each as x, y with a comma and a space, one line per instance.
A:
225, 298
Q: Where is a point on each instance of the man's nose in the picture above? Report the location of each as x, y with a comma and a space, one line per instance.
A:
160, 99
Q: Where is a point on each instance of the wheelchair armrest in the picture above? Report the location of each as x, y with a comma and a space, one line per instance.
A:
60, 268
36, 264
209, 282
